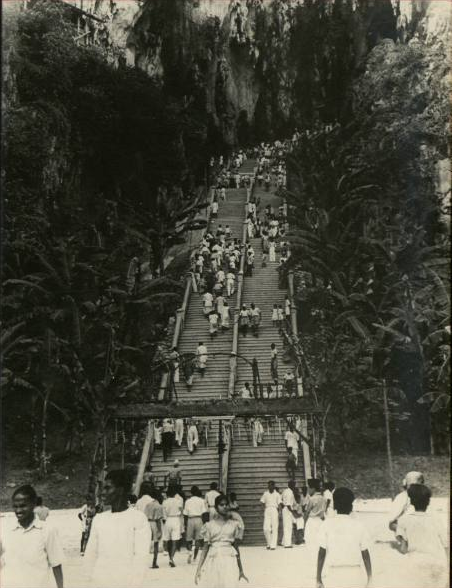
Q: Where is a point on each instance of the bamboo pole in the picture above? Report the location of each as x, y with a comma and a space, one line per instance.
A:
388, 439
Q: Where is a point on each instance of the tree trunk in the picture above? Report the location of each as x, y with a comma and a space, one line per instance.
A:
43, 459
34, 453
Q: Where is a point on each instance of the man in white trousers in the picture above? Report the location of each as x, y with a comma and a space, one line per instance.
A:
271, 499
289, 513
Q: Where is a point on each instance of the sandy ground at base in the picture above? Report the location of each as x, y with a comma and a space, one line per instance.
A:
283, 568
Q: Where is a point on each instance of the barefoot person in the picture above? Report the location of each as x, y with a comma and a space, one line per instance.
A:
172, 511
271, 499
118, 547
194, 510
343, 547
29, 548
220, 565
154, 514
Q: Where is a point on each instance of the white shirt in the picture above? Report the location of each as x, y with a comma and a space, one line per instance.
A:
214, 207
207, 297
287, 498
143, 502
195, 507
118, 548
400, 505
344, 538
230, 277
27, 555
291, 438
423, 533
245, 392
210, 498
271, 499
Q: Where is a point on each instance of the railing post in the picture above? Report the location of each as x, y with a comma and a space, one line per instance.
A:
305, 447
144, 458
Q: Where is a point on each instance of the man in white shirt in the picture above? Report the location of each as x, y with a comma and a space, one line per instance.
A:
210, 499
343, 547
245, 392
172, 511
230, 283
289, 513
291, 440
207, 299
145, 497
118, 548
401, 503
201, 356
194, 510
29, 547
271, 499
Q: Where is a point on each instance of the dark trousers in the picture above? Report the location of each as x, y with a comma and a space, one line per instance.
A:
167, 444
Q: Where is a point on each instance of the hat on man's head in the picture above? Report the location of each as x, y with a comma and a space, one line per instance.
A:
413, 478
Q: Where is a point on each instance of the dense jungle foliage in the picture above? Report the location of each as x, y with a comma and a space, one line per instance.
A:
371, 246
99, 187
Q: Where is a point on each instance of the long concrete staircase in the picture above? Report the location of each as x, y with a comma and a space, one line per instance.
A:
250, 468
214, 384
198, 469
262, 288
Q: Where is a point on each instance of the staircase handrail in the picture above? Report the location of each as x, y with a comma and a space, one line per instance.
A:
294, 326
238, 304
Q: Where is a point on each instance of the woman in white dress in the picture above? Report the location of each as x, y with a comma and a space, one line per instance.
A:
220, 565
118, 547
225, 316
272, 251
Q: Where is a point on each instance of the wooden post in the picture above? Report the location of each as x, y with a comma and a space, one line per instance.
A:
305, 446
388, 439
225, 429
144, 458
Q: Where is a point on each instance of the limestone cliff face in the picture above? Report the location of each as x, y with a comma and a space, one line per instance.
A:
259, 67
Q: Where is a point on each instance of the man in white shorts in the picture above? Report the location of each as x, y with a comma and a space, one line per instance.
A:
172, 529
194, 510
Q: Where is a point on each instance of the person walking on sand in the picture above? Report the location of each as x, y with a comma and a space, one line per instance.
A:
314, 513
118, 547
289, 513
422, 541
154, 513
271, 499
220, 565
210, 498
401, 503
30, 549
193, 512
172, 511
343, 559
